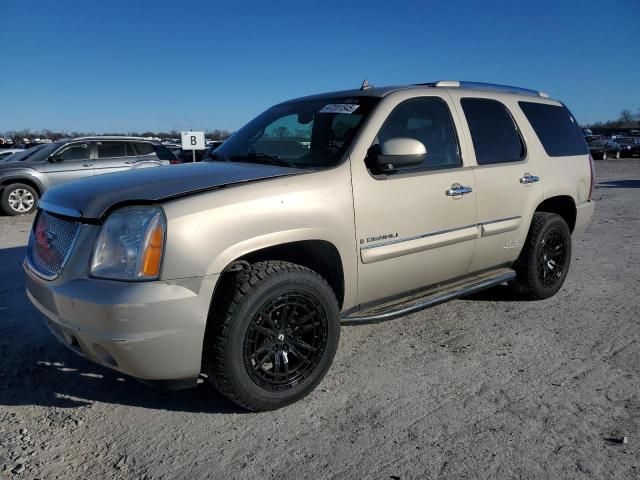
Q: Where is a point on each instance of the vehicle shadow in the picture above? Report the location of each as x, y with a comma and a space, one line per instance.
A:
35, 369
499, 293
619, 184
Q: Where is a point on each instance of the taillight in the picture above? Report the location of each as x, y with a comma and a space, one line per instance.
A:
592, 177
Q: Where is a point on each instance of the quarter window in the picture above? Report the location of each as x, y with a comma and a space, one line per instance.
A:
110, 149
494, 133
142, 148
428, 120
556, 128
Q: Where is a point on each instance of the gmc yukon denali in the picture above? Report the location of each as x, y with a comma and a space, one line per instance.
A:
342, 208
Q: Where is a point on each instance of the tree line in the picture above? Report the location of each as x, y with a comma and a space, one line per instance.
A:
626, 119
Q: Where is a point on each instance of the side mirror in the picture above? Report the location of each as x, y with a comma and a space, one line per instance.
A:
57, 158
396, 153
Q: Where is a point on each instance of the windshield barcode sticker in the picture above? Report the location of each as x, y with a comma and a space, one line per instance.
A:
347, 108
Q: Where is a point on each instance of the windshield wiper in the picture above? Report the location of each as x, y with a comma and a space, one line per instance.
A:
262, 158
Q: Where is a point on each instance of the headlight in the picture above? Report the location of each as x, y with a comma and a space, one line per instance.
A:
130, 245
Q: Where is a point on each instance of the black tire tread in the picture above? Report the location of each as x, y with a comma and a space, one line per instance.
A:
524, 283
227, 301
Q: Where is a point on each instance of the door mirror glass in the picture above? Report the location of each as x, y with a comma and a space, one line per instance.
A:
396, 153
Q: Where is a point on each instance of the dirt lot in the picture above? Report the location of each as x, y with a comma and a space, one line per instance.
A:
485, 387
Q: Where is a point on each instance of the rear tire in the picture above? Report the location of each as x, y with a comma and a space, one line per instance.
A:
617, 155
272, 334
19, 199
545, 258
604, 155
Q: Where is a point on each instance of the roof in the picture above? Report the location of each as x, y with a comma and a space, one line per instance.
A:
446, 84
113, 137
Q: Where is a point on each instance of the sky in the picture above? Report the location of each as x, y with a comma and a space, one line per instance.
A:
137, 65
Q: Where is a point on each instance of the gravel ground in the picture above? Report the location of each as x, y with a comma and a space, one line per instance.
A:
484, 387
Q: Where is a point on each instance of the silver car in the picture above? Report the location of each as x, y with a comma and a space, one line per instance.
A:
25, 176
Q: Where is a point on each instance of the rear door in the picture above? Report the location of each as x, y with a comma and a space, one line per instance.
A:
111, 157
71, 162
508, 178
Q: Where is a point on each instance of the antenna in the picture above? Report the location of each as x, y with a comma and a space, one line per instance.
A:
365, 85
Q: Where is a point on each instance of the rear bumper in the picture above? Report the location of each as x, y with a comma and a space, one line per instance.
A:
150, 330
584, 214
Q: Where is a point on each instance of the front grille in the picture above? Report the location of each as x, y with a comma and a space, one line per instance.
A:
50, 244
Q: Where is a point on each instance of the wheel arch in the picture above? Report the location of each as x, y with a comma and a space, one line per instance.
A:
321, 256
563, 205
32, 182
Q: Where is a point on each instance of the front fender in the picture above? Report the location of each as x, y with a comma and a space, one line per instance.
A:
24, 174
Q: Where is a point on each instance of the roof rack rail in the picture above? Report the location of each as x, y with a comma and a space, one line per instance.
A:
494, 87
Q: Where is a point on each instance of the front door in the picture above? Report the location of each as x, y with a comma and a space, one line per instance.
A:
72, 162
415, 226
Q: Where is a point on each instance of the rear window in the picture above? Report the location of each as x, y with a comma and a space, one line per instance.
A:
495, 135
556, 128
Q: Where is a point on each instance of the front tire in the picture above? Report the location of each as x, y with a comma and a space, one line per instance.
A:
545, 258
617, 155
604, 155
19, 199
272, 334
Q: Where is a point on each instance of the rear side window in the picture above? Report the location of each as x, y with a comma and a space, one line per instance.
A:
494, 133
110, 149
556, 128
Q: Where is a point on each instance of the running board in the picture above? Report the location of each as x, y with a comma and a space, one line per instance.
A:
429, 298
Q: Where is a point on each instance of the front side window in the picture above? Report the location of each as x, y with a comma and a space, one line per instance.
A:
428, 120
304, 134
78, 151
141, 148
110, 149
494, 133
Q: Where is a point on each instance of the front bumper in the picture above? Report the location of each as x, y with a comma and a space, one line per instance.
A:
584, 214
149, 330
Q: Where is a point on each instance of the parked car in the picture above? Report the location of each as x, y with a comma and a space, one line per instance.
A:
25, 176
602, 149
244, 267
630, 146
7, 152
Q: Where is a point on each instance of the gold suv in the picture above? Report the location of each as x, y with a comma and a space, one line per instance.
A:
342, 208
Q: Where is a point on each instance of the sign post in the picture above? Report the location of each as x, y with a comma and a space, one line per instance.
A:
193, 141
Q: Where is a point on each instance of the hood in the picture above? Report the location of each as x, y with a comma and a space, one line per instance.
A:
91, 198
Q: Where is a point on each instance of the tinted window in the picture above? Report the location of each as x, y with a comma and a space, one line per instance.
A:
427, 120
110, 149
143, 148
494, 134
78, 151
556, 128
162, 152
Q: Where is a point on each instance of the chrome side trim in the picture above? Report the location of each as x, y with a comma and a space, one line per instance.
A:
502, 225
415, 237
430, 301
65, 211
492, 227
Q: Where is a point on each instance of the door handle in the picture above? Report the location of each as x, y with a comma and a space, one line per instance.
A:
527, 179
458, 190
87, 164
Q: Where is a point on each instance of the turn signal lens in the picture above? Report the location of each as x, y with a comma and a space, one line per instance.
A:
153, 252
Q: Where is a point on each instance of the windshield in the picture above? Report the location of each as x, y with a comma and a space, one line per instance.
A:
39, 152
305, 134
